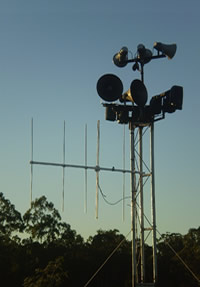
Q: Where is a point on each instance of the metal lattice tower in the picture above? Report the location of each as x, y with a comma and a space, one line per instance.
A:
140, 117
140, 173
142, 226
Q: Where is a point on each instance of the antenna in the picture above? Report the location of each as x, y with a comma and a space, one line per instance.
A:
139, 115
31, 189
124, 182
97, 169
139, 172
63, 191
85, 205
86, 167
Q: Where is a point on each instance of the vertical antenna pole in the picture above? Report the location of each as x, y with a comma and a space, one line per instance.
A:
141, 205
85, 204
31, 188
123, 191
153, 208
97, 169
133, 202
63, 185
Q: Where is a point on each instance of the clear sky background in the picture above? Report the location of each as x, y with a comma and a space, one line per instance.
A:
52, 55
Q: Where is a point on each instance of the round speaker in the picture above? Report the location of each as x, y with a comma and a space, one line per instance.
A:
109, 87
138, 93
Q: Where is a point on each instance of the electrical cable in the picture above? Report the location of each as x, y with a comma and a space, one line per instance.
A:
178, 256
102, 265
182, 261
172, 249
108, 202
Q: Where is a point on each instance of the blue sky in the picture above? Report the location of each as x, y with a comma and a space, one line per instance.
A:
52, 55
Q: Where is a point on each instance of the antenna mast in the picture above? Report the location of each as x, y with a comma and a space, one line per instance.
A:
139, 115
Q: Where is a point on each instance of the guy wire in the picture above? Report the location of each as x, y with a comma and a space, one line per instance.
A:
102, 265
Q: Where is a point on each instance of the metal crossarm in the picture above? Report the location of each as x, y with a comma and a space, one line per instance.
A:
95, 168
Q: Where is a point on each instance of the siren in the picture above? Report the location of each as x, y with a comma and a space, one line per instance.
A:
120, 59
136, 94
109, 87
167, 50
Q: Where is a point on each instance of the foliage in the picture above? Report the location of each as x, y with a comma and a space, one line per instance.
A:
171, 248
53, 254
117, 269
53, 275
42, 220
10, 218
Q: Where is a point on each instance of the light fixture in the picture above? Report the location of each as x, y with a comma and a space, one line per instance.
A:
144, 55
110, 89
120, 59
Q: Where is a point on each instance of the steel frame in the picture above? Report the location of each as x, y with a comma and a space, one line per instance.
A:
137, 175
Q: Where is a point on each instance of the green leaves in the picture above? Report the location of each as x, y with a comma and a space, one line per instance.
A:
10, 218
54, 255
42, 221
172, 247
53, 275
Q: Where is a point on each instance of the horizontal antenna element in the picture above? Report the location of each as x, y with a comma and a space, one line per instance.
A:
95, 168
85, 166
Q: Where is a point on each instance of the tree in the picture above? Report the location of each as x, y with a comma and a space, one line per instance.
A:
171, 269
169, 272
42, 220
109, 239
10, 219
191, 252
117, 269
68, 237
53, 275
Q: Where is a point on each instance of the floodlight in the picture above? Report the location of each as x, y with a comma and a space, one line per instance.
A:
173, 99
156, 105
122, 117
110, 114
144, 55
120, 59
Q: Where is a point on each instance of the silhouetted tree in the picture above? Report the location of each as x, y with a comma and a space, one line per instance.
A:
171, 270
10, 219
117, 269
55, 255
42, 220
53, 275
